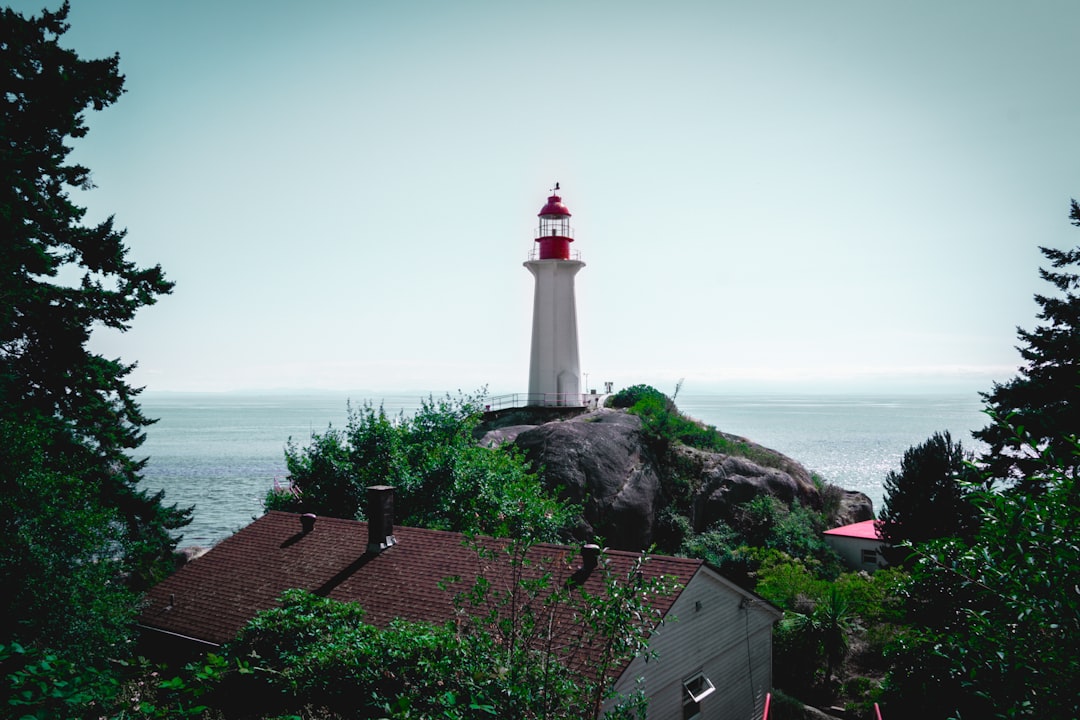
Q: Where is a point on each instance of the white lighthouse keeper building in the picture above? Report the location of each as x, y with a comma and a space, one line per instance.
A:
554, 368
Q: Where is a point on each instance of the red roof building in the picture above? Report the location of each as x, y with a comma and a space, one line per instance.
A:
714, 650
858, 544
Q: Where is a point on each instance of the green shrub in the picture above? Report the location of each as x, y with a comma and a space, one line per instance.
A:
665, 426
631, 396
876, 598
41, 684
442, 478
788, 583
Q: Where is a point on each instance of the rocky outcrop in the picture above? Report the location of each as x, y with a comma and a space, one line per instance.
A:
728, 480
854, 507
601, 460
598, 460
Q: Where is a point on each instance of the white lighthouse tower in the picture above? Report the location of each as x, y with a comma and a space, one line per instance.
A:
554, 368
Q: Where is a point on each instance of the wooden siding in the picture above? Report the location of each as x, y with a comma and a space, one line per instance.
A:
728, 638
850, 550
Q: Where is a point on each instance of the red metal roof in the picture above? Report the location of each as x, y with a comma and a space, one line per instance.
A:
554, 206
864, 529
212, 598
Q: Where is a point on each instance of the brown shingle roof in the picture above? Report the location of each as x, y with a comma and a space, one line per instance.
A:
212, 598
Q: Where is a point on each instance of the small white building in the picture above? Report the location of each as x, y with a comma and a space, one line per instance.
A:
858, 544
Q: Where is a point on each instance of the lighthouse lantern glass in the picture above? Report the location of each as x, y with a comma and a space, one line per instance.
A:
555, 226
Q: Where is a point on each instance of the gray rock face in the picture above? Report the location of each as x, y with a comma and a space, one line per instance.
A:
601, 461
854, 507
728, 480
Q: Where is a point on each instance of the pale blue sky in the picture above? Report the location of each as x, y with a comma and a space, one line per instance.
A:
770, 195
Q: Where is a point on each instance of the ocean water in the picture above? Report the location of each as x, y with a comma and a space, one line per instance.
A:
221, 453
848, 440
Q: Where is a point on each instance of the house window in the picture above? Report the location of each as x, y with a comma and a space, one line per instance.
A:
869, 557
697, 689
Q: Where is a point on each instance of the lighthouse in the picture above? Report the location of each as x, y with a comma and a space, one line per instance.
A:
554, 368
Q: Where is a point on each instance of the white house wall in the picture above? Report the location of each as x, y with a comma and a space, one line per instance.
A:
850, 550
715, 633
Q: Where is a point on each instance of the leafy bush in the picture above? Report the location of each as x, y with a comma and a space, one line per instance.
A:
442, 478
317, 651
877, 597
665, 426
631, 396
766, 522
714, 546
41, 684
788, 583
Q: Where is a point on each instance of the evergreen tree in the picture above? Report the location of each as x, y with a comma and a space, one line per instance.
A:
63, 587
927, 498
1043, 401
995, 622
80, 405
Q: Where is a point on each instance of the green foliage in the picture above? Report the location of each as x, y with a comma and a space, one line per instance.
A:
763, 531
78, 537
38, 684
317, 651
831, 500
927, 498
996, 622
672, 529
41, 685
59, 565
789, 583
614, 627
785, 707
813, 640
1041, 401
442, 478
631, 396
766, 522
822, 618
875, 598
153, 694
665, 427
81, 403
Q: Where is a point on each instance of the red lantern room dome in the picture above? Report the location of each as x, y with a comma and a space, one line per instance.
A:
554, 233
554, 207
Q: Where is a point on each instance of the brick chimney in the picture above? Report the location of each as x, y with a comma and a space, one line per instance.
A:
380, 518
589, 555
